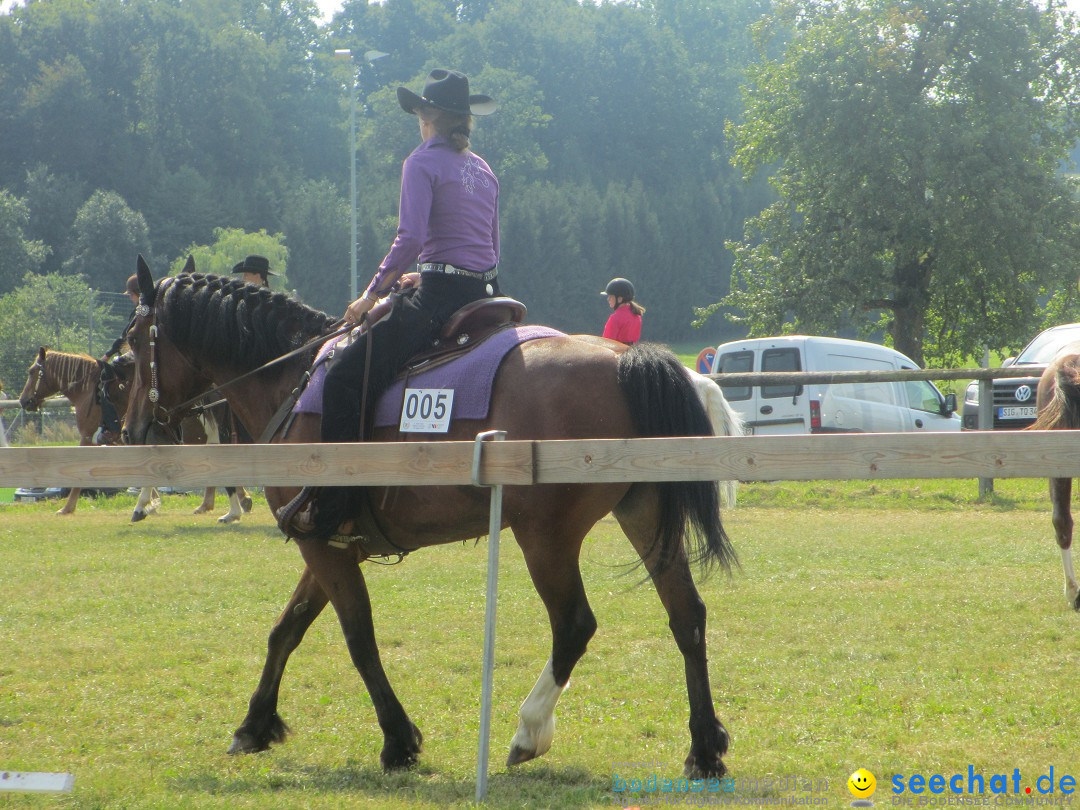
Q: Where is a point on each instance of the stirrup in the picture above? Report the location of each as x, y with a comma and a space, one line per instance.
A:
297, 518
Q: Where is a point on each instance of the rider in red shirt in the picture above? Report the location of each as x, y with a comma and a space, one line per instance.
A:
624, 324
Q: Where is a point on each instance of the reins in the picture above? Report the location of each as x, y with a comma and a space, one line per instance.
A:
216, 389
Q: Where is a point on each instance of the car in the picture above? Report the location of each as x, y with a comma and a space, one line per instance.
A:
1014, 397
35, 494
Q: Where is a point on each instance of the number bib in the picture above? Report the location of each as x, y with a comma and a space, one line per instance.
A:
426, 410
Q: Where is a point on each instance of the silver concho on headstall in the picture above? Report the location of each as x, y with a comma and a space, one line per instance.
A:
142, 310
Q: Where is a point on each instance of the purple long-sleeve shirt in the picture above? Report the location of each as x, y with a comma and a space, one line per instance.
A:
449, 212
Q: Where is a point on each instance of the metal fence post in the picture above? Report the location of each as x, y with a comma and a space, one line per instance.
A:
986, 420
490, 602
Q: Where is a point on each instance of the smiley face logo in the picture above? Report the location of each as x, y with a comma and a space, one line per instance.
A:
862, 784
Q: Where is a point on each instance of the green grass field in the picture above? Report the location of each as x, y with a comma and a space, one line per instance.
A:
901, 627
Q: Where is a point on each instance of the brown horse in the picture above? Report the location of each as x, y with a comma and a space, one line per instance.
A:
193, 328
1058, 403
75, 376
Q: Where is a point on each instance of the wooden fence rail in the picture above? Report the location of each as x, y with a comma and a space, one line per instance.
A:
1001, 454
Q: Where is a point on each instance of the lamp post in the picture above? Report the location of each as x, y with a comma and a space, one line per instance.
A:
354, 248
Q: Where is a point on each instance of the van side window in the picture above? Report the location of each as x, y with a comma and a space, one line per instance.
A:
922, 396
780, 360
732, 363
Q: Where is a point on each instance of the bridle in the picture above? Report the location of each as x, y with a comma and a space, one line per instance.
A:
39, 367
164, 417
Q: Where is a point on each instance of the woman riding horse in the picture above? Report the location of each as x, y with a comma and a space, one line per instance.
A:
194, 328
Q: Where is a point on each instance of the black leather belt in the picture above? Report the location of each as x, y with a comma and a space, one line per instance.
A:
450, 270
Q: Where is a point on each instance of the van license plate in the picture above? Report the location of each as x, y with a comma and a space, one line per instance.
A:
1018, 412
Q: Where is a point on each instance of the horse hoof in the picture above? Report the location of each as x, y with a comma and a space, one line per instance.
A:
400, 754
201, 510
137, 516
244, 744
228, 519
519, 755
246, 504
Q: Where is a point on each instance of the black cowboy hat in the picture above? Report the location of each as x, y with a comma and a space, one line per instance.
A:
259, 265
446, 90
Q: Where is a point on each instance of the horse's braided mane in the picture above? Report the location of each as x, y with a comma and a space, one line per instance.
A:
237, 323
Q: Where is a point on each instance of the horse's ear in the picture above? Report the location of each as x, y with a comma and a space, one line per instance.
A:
146, 281
189, 265
41, 354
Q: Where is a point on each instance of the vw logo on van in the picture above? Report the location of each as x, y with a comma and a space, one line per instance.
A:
1023, 393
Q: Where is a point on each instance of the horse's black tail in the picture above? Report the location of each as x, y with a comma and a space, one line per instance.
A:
1062, 412
663, 402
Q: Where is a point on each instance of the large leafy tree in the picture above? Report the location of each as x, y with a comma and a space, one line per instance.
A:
19, 255
230, 246
917, 146
108, 234
56, 311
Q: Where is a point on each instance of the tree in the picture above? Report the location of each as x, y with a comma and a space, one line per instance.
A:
918, 144
18, 255
108, 236
316, 220
56, 311
53, 201
230, 246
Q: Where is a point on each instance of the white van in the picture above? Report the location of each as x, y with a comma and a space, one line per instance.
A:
887, 407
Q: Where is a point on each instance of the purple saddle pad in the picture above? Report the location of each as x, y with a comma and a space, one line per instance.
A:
470, 376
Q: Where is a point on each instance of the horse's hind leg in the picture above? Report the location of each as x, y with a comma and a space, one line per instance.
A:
1060, 495
207, 501
557, 578
338, 572
246, 503
262, 725
638, 516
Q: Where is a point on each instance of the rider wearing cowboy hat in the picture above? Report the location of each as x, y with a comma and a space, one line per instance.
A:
448, 230
256, 270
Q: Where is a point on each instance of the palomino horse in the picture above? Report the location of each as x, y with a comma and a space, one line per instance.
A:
193, 328
77, 377
1058, 402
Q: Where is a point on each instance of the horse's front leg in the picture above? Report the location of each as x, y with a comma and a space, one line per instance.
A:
338, 572
1060, 495
73, 495
262, 725
71, 502
235, 510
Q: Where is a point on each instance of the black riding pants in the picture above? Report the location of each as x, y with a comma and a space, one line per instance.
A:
416, 318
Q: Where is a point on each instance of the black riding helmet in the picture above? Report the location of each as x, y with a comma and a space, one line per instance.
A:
620, 288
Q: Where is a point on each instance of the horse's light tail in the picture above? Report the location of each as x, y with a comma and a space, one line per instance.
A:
664, 402
725, 422
1062, 412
